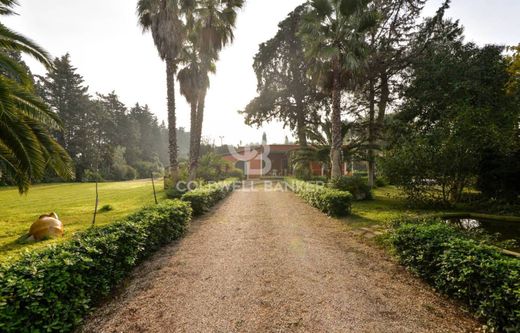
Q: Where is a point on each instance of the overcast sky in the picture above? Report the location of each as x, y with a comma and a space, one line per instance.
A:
110, 51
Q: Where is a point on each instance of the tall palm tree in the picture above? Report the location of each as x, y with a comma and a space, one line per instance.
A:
27, 147
192, 80
164, 19
213, 24
334, 32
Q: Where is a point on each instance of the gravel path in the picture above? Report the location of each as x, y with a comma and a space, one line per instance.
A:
267, 262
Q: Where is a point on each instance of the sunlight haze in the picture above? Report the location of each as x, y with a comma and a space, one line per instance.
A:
110, 51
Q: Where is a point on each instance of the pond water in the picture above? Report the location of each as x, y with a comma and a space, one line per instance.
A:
502, 229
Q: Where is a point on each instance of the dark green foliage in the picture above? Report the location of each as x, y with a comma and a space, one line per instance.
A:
213, 167
285, 92
52, 290
105, 209
27, 148
330, 201
381, 182
205, 197
356, 185
499, 175
102, 133
456, 111
479, 275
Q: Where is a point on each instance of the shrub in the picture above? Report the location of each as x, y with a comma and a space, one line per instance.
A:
145, 168
235, 173
123, 172
205, 197
214, 168
381, 182
320, 179
91, 176
52, 290
330, 201
105, 209
479, 275
356, 185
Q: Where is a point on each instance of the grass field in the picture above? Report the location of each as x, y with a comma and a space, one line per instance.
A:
74, 204
389, 204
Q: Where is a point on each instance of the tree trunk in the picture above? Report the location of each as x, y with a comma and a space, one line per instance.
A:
383, 102
172, 119
301, 126
193, 136
371, 134
194, 162
337, 138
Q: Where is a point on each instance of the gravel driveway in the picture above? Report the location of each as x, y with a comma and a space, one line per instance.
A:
267, 262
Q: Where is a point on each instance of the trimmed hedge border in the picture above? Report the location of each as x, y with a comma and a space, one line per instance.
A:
479, 275
53, 289
205, 197
330, 201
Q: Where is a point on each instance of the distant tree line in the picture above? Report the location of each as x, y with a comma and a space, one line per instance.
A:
105, 138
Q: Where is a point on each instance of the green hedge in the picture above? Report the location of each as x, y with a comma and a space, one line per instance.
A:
479, 275
330, 201
205, 197
356, 185
52, 290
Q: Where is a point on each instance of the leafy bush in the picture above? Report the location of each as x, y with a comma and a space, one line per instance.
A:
52, 290
330, 201
381, 182
235, 173
320, 179
475, 273
145, 168
205, 197
213, 167
499, 175
90, 176
356, 185
105, 209
123, 172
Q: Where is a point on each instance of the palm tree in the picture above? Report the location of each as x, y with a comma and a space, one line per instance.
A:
192, 80
164, 19
213, 24
333, 32
27, 147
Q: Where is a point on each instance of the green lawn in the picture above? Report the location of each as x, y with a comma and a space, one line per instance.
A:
74, 204
388, 204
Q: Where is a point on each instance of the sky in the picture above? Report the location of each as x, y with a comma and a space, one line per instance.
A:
112, 54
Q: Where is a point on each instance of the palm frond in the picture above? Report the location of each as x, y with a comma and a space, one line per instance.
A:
11, 40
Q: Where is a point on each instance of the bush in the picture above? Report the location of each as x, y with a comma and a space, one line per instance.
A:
475, 273
356, 185
381, 182
91, 176
330, 201
235, 173
52, 290
106, 209
123, 172
145, 169
205, 197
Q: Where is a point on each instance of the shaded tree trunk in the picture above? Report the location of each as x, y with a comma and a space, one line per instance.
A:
172, 119
193, 136
337, 138
301, 129
383, 102
194, 162
371, 134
